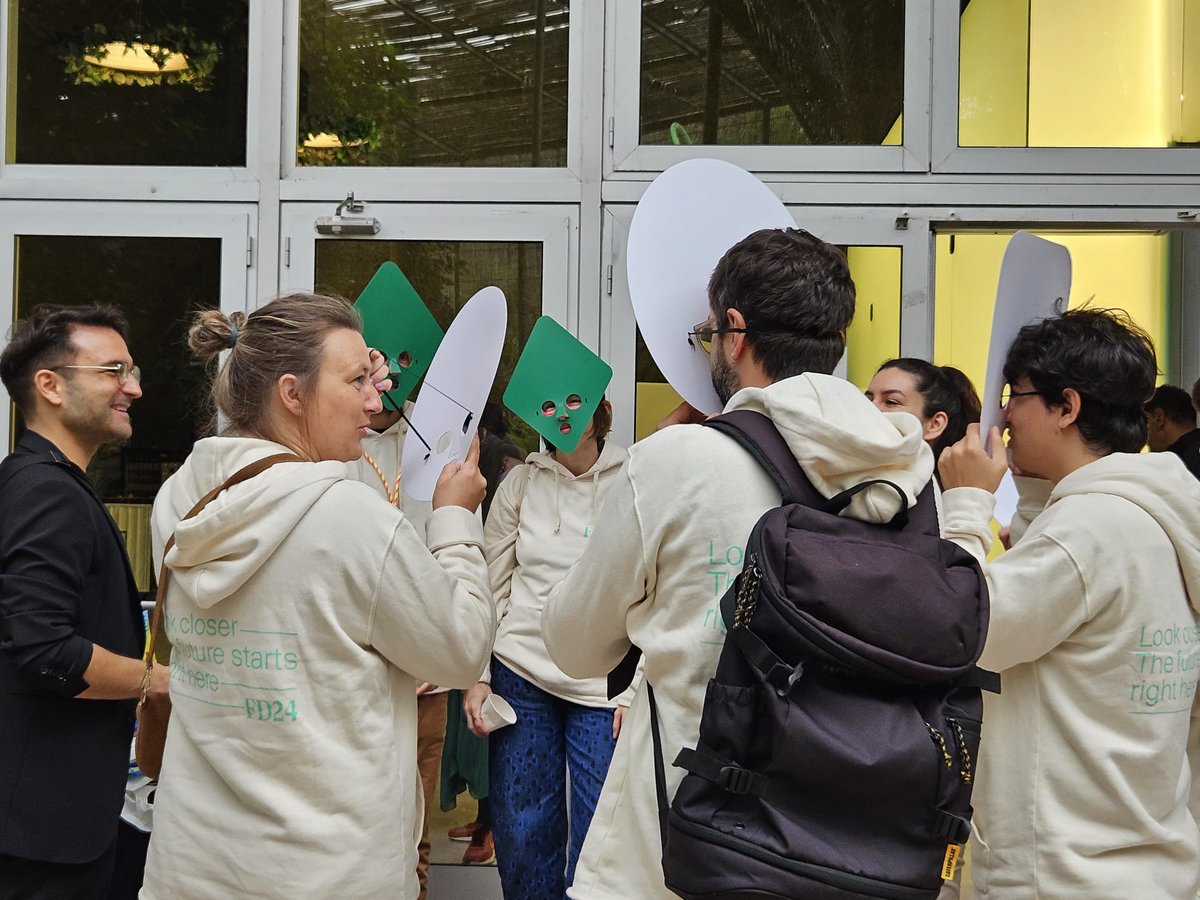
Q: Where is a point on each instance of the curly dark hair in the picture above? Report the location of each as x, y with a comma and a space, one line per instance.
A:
796, 294
42, 340
1106, 358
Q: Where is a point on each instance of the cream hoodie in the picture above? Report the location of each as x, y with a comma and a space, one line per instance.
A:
1083, 781
537, 527
303, 610
387, 448
669, 542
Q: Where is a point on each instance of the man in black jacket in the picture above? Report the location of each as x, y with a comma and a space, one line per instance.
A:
1171, 425
71, 630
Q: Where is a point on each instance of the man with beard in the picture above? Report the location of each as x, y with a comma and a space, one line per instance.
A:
671, 537
70, 623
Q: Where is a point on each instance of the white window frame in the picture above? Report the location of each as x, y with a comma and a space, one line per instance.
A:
949, 158
858, 228
623, 112
165, 183
232, 225
439, 183
556, 228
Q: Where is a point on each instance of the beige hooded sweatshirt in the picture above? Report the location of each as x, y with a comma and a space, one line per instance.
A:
1084, 778
668, 543
303, 610
537, 527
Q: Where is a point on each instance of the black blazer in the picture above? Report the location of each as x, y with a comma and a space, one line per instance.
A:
65, 583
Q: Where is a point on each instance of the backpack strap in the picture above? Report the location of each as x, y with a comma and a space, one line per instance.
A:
660, 771
243, 474
759, 437
757, 434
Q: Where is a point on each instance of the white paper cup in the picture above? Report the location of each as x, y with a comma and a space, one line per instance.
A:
496, 713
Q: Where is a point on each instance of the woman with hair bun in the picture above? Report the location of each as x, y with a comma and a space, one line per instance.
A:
941, 397
303, 610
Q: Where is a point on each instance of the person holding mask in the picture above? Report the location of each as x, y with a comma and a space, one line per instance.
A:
303, 610
1082, 783
941, 397
538, 526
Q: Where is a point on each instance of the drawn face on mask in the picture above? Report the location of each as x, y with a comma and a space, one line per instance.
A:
557, 385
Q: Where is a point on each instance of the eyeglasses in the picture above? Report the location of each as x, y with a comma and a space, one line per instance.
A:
703, 332
1007, 394
123, 371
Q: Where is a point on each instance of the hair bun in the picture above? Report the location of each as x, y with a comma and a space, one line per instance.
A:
212, 331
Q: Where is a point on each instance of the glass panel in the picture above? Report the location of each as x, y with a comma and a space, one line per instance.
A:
141, 277
772, 72
873, 336
1079, 73
447, 274
75, 99
452, 83
1125, 270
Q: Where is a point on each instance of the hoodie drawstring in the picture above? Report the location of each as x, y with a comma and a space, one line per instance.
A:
595, 497
557, 509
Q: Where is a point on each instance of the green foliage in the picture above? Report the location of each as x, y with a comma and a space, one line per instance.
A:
161, 42
352, 85
360, 136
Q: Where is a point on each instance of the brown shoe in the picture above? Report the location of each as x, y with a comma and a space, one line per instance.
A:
463, 833
482, 849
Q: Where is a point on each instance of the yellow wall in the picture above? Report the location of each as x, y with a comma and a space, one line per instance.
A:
1110, 270
993, 70
874, 335
1079, 73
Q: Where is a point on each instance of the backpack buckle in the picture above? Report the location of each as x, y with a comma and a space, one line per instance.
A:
784, 677
737, 780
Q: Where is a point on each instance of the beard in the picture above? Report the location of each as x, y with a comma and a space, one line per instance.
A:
92, 419
724, 380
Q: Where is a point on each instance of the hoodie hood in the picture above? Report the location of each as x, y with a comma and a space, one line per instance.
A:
611, 457
1158, 483
219, 549
841, 440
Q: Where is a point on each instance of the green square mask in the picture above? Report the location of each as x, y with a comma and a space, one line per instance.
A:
397, 322
557, 385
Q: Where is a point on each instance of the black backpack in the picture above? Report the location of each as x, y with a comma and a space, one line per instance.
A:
839, 735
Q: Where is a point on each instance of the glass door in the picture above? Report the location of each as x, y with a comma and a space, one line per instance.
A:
158, 264
449, 254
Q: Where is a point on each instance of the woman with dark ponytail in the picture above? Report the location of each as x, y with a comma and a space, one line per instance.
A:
941, 397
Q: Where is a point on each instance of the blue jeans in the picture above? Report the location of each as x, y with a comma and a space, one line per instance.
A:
528, 769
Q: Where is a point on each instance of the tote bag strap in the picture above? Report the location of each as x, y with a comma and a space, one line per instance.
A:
243, 474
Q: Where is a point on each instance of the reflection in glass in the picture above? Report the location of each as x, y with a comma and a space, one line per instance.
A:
446, 274
772, 71
452, 83
127, 83
1079, 73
